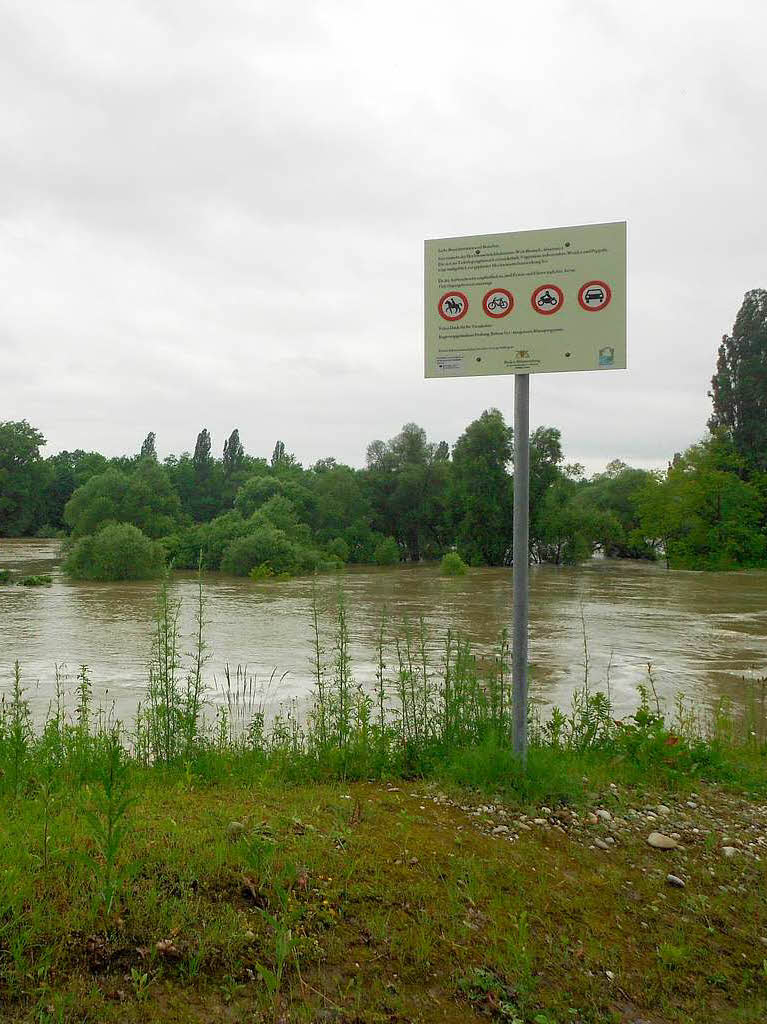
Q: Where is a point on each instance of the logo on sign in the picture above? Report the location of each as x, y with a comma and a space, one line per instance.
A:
547, 299
594, 296
498, 302
453, 306
606, 356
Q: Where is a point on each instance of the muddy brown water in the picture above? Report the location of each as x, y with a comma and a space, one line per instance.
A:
704, 634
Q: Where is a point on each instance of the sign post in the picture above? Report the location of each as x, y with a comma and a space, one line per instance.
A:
519, 303
521, 561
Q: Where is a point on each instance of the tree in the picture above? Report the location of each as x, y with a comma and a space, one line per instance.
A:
233, 453
706, 515
408, 479
201, 459
614, 495
21, 478
282, 459
482, 490
739, 386
145, 499
64, 473
148, 450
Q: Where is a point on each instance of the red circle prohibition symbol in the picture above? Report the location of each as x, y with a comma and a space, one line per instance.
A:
501, 304
542, 300
595, 288
456, 311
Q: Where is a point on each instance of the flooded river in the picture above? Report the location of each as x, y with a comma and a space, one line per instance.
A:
704, 634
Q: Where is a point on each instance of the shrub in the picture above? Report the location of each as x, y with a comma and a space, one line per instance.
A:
387, 552
117, 552
48, 532
338, 548
36, 581
5, 575
265, 546
453, 565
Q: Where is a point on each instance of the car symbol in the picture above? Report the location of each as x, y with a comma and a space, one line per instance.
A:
594, 295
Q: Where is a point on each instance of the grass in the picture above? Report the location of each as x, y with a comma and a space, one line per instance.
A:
343, 865
369, 903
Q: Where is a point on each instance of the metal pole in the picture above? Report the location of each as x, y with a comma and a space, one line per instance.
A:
521, 541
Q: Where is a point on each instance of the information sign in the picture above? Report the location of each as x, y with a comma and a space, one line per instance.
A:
527, 302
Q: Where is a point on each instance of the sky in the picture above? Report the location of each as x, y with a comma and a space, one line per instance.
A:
213, 213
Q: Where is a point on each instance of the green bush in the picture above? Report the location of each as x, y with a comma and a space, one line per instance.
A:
265, 546
117, 552
48, 532
387, 552
36, 581
453, 565
338, 548
5, 575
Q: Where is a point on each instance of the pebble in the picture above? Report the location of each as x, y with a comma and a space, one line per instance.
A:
659, 841
692, 805
675, 880
729, 851
501, 830
591, 819
604, 815
235, 829
662, 809
601, 844
539, 821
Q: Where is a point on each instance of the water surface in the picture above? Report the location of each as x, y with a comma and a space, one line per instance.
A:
704, 634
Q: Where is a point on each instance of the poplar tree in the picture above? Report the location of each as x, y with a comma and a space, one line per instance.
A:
739, 386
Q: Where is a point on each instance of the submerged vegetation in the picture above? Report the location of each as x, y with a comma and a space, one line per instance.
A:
205, 856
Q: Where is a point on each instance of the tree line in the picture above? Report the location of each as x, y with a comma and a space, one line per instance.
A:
416, 499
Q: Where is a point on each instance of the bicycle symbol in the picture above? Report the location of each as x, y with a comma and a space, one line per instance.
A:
498, 302
547, 299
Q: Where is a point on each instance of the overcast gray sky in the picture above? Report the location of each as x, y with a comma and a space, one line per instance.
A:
213, 213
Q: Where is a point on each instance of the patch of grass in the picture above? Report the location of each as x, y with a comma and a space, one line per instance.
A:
399, 921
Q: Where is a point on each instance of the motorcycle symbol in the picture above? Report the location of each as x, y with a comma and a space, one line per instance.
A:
547, 299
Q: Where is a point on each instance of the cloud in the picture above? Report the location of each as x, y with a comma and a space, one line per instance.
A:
214, 213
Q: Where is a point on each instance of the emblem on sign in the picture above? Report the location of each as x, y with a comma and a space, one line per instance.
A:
453, 306
498, 302
547, 299
594, 296
606, 356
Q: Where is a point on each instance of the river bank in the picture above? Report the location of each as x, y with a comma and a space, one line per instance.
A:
252, 900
